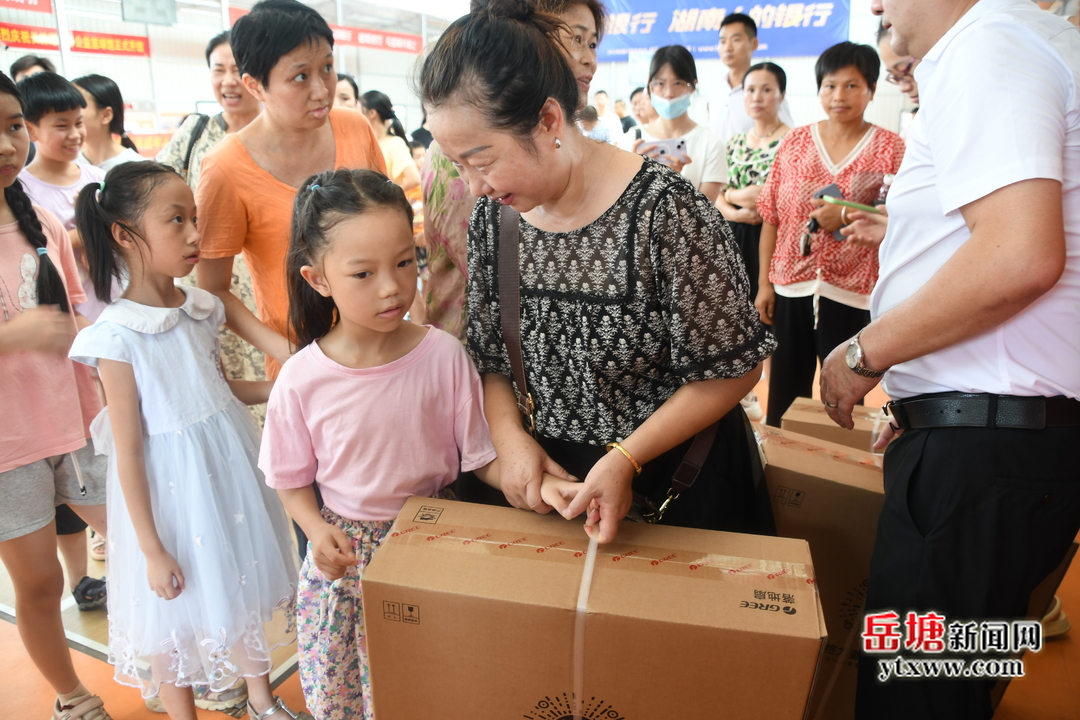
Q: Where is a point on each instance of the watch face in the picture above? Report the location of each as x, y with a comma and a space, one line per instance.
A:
852, 355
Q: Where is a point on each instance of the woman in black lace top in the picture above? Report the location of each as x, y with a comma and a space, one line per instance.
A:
636, 320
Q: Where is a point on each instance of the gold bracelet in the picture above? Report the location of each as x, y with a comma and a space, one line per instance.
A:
620, 448
843, 215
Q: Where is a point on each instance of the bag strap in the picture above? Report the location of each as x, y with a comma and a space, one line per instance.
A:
196, 133
684, 477
510, 309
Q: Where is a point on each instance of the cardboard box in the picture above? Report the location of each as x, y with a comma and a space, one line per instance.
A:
807, 416
829, 495
471, 613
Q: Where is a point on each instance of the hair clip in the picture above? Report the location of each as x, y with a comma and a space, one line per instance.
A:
42, 251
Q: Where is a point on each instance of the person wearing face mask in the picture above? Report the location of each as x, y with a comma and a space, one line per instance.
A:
813, 289
672, 82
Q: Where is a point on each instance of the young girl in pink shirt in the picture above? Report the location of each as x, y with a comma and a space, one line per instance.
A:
48, 403
372, 409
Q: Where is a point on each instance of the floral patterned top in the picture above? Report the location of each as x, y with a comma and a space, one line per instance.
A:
173, 153
802, 167
747, 166
447, 207
618, 315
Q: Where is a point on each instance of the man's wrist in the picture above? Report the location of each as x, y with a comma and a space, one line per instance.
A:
871, 353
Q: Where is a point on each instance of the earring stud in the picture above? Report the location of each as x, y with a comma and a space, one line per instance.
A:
558, 143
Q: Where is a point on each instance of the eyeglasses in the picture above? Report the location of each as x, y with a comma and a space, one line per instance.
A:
676, 85
904, 74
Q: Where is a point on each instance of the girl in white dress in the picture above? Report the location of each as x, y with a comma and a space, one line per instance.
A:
199, 553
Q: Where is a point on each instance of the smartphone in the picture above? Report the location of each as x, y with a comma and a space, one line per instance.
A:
666, 150
832, 191
853, 205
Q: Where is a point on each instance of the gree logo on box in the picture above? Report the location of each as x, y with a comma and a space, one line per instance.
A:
560, 707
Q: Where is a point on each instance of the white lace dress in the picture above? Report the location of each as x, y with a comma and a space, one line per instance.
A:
213, 511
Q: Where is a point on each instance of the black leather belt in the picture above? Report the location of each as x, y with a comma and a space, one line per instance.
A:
983, 410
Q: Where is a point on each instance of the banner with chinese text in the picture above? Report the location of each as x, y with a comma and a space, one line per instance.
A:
379, 39
784, 29
91, 42
29, 37
44, 6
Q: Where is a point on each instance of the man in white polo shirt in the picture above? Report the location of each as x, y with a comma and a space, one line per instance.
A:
977, 321
736, 46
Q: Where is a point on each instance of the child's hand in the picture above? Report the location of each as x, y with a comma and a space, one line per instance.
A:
163, 572
41, 329
558, 493
331, 551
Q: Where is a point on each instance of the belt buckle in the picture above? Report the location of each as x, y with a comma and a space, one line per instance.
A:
890, 409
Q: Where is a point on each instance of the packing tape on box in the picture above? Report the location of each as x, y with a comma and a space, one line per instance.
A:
771, 436
616, 556
584, 590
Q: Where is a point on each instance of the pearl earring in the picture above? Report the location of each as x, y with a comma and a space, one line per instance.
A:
558, 143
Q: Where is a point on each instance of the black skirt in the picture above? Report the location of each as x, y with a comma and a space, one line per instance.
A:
730, 492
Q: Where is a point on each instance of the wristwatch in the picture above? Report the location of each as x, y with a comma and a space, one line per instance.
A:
854, 357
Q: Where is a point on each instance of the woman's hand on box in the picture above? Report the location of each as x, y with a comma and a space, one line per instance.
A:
608, 485
331, 551
559, 493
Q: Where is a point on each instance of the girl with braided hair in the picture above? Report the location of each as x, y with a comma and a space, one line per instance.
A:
49, 403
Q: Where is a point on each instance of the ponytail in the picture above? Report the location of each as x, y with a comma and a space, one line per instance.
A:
50, 285
380, 103
397, 129
106, 94
121, 199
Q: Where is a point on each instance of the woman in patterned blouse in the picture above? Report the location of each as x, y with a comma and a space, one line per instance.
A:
636, 322
750, 157
815, 292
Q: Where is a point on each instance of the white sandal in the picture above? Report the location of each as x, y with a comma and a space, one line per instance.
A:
278, 705
87, 707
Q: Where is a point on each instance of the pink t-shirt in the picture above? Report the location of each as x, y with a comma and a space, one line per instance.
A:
49, 401
372, 438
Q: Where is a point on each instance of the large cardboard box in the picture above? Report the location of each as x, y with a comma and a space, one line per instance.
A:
829, 495
471, 613
807, 416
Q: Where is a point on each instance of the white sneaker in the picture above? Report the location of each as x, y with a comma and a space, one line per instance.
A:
752, 407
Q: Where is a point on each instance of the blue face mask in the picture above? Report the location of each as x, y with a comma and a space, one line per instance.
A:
671, 109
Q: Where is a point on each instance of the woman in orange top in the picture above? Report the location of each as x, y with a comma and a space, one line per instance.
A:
248, 183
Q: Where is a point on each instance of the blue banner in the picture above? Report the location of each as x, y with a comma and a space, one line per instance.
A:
784, 29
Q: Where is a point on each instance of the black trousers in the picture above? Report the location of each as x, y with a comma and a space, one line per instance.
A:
799, 346
973, 520
748, 239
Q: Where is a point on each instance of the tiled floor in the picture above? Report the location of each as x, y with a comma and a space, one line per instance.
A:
1049, 691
